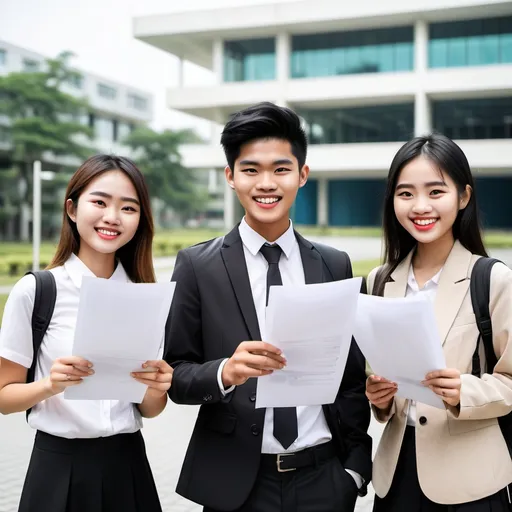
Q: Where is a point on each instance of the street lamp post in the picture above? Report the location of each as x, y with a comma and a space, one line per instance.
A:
36, 216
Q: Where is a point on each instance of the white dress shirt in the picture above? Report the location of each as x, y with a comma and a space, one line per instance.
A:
64, 418
429, 291
312, 425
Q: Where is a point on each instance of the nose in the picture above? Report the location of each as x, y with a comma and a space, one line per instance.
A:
266, 182
422, 205
111, 216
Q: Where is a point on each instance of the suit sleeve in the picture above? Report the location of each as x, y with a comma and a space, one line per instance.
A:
491, 395
194, 379
354, 411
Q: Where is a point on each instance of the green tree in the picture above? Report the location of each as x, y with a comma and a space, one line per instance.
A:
42, 119
159, 159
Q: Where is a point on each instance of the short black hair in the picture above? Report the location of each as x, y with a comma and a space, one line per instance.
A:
264, 121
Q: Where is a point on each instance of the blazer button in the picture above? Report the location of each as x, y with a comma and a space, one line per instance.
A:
423, 420
255, 430
252, 398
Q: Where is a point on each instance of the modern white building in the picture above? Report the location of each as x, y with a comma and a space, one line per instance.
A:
365, 76
115, 110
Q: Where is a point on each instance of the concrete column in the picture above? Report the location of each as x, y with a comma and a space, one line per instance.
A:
421, 46
422, 112
322, 205
218, 60
180, 72
230, 201
282, 56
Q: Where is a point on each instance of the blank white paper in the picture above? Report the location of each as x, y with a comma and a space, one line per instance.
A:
312, 324
119, 327
400, 341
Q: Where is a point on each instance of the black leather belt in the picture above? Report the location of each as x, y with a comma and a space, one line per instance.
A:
284, 462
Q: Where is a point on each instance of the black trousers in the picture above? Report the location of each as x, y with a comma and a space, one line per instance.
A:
406, 494
324, 487
107, 474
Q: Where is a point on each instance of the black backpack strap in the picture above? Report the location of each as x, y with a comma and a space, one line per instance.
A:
44, 305
480, 287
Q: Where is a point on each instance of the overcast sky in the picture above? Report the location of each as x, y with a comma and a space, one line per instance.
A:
99, 32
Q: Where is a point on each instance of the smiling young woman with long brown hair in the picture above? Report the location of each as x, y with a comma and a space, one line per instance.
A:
89, 455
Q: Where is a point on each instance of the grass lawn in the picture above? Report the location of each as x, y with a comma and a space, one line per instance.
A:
3, 300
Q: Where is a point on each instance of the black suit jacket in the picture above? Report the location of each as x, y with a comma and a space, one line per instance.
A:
212, 313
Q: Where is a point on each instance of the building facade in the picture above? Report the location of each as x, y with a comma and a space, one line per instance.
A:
115, 109
365, 77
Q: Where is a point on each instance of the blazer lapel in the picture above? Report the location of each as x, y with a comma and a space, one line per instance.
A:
398, 286
452, 288
232, 253
311, 261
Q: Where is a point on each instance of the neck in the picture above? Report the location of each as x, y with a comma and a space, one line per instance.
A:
101, 265
433, 255
271, 231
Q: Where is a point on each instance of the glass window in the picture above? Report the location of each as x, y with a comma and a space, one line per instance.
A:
364, 51
123, 130
382, 123
3, 57
471, 43
30, 65
105, 91
104, 128
137, 102
251, 59
479, 118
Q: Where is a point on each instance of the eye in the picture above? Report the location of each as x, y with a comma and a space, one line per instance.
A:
99, 202
436, 192
129, 209
404, 194
249, 171
282, 169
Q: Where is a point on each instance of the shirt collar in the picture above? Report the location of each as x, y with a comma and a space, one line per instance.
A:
413, 284
253, 240
77, 269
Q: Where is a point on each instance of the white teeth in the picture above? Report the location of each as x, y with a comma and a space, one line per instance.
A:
424, 222
108, 233
267, 200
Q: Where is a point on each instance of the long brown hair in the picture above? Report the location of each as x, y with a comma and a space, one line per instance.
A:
136, 256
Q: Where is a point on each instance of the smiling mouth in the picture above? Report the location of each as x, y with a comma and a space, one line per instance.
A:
267, 200
424, 222
107, 232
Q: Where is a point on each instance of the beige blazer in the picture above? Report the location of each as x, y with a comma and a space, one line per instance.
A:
461, 454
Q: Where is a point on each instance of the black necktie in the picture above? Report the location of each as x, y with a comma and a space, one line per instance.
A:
285, 418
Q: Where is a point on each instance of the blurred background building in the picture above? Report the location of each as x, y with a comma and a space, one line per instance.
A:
113, 111
115, 108
365, 76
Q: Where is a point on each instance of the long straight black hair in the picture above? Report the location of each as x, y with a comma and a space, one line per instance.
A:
450, 159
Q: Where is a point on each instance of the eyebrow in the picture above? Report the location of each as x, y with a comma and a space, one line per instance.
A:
429, 184
108, 196
282, 161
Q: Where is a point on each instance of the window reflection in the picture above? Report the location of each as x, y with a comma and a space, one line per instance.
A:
381, 123
246, 60
470, 43
362, 51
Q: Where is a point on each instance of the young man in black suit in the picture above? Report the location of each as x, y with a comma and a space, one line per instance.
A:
303, 459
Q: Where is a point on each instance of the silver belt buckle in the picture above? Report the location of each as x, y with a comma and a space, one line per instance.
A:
279, 460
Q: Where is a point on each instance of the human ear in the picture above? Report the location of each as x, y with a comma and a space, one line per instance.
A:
71, 210
304, 173
465, 197
229, 176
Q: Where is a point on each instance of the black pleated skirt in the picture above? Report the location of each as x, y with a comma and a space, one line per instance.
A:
107, 474
406, 495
